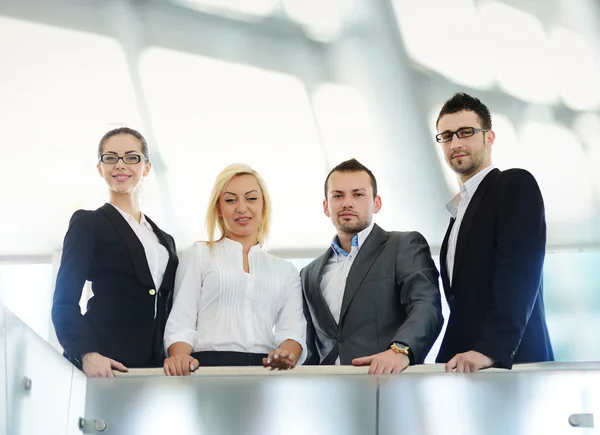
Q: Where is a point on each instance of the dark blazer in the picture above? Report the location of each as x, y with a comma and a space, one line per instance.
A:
496, 300
391, 295
120, 323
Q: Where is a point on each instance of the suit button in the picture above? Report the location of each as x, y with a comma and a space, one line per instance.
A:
152, 292
450, 298
340, 339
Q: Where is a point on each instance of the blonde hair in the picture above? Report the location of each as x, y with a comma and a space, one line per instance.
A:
213, 220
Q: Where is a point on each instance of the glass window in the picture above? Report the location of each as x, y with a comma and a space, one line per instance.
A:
322, 20
507, 151
64, 89
587, 128
238, 8
522, 55
432, 31
577, 68
347, 132
26, 290
213, 113
566, 187
571, 283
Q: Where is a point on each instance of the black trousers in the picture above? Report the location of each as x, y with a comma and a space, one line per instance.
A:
223, 359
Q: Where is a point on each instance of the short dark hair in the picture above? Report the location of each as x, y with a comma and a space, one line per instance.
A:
352, 165
124, 130
462, 101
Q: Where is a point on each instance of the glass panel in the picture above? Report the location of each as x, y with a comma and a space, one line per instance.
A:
214, 113
43, 405
3, 389
64, 89
492, 403
250, 405
76, 402
26, 290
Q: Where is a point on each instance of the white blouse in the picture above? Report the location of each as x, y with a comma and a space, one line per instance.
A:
219, 307
156, 254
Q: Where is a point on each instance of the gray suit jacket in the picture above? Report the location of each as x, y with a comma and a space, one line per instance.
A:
392, 294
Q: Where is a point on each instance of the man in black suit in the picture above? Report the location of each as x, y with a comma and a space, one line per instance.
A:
492, 255
372, 298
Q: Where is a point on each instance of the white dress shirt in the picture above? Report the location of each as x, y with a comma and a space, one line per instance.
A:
457, 208
156, 254
220, 307
335, 273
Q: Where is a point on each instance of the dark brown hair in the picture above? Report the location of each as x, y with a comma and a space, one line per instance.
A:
461, 101
124, 130
353, 165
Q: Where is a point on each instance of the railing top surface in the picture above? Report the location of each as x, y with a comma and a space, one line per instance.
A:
351, 370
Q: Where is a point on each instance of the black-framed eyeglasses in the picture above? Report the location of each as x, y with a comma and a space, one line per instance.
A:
129, 159
461, 133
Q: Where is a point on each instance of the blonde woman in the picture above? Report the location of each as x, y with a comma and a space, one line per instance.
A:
235, 305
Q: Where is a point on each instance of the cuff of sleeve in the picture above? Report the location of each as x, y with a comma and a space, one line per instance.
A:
282, 336
76, 352
502, 360
188, 337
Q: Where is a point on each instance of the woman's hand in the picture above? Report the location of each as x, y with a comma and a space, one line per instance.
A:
96, 365
180, 365
285, 356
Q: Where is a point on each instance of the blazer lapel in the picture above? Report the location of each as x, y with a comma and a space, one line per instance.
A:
465, 226
316, 274
169, 276
444, 254
365, 258
136, 249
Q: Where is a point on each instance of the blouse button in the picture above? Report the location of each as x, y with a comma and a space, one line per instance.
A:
152, 292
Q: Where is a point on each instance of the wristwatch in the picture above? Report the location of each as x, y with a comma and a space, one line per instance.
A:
398, 347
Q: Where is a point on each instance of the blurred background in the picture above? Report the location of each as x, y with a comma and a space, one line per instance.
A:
294, 87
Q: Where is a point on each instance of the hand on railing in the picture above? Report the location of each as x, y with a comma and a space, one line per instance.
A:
285, 356
469, 362
180, 365
96, 365
383, 363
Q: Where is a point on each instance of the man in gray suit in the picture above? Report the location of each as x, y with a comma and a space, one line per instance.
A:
373, 297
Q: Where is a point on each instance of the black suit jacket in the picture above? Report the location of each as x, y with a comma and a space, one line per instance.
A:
391, 295
496, 299
120, 321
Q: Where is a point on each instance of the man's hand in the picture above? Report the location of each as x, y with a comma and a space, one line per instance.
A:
469, 362
285, 356
96, 365
180, 365
384, 363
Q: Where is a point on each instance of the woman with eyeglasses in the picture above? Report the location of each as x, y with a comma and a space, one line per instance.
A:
130, 263
235, 304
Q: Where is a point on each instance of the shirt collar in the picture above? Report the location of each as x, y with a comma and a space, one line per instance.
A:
130, 218
467, 190
232, 244
357, 241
